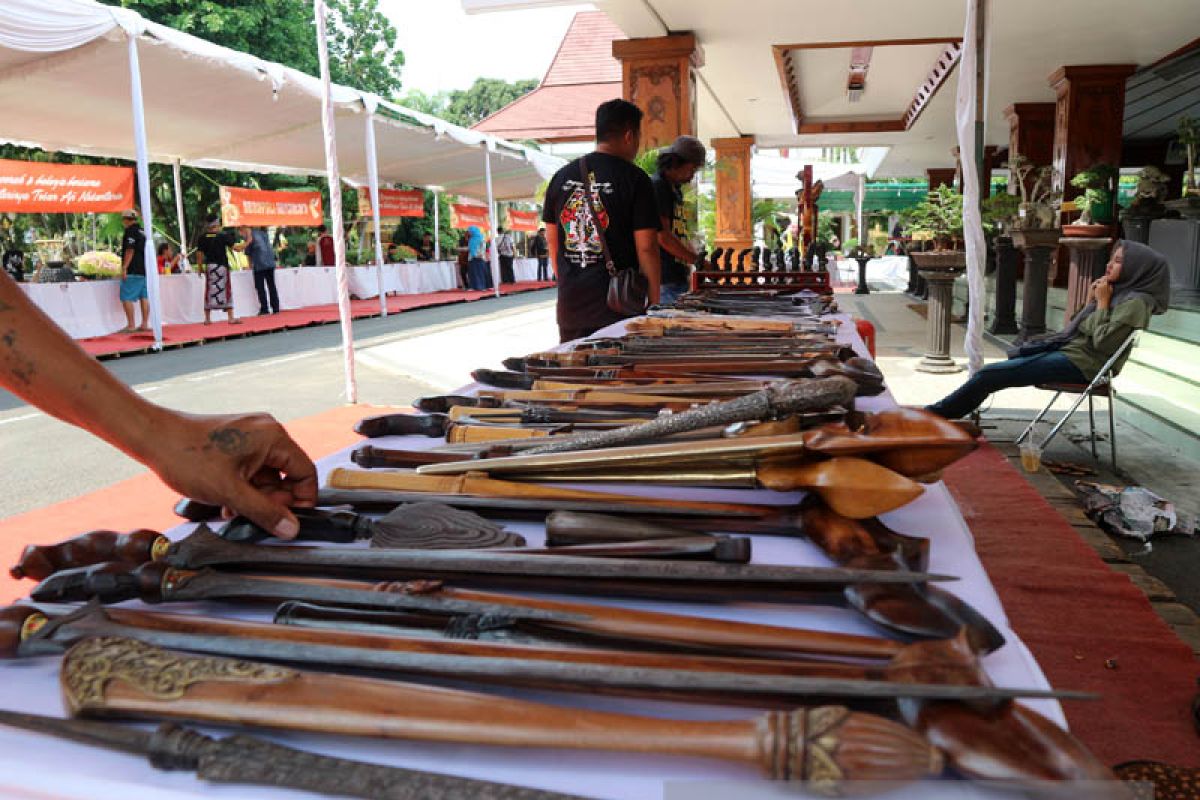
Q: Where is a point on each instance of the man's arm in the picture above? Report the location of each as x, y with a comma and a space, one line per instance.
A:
668, 241
245, 462
125, 262
552, 248
646, 241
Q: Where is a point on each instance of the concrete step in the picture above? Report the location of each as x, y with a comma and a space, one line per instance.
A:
1174, 357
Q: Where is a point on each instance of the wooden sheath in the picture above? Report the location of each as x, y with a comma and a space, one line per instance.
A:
822, 747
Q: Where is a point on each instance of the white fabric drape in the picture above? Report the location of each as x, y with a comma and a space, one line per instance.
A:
36, 27
335, 204
491, 203
965, 116
373, 190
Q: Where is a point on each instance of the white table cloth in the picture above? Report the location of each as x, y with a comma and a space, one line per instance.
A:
74, 771
889, 273
85, 309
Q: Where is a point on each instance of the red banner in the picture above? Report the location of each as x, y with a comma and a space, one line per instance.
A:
260, 208
393, 202
464, 216
527, 221
35, 187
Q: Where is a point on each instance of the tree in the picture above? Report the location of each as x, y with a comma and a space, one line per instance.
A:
485, 97
417, 100
362, 47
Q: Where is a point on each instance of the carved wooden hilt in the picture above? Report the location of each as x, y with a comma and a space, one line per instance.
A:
727, 264
829, 748
715, 260
137, 547
440, 404
402, 425
111, 582
504, 380
18, 623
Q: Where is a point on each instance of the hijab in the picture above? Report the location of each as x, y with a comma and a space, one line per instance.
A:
475, 241
1145, 275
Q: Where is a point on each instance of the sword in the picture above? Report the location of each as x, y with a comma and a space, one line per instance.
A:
250, 760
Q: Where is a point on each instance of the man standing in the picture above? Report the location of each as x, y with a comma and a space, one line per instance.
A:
326, 256
212, 255
506, 251
677, 165
541, 253
133, 272
625, 215
262, 261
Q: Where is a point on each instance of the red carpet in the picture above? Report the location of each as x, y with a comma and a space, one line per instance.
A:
1089, 626
144, 502
181, 335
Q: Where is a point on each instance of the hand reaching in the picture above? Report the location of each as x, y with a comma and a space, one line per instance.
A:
246, 463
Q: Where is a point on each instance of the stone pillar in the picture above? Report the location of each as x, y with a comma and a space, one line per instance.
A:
1040, 249
937, 344
733, 196
1089, 258
1004, 314
658, 76
941, 177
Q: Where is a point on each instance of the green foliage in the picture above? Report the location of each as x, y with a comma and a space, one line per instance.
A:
999, 211
411, 230
404, 253
468, 106
362, 47
707, 217
939, 216
1098, 183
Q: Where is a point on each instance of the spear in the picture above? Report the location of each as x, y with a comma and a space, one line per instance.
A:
817, 747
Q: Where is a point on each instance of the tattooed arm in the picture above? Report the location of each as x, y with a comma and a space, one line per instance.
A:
247, 463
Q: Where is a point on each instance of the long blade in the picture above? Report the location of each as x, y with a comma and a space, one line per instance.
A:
96, 734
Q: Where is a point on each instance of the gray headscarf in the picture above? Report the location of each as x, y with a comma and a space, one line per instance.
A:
1145, 275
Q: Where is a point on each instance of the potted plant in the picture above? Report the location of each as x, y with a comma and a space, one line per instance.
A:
1152, 187
1189, 136
939, 217
1036, 223
1099, 188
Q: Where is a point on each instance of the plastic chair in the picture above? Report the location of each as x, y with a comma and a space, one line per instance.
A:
1101, 385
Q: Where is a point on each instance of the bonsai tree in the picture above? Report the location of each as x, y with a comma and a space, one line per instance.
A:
1098, 183
1189, 137
938, 216
1039, 202
999, 212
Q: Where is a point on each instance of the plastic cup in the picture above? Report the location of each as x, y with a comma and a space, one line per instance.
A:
1031, 457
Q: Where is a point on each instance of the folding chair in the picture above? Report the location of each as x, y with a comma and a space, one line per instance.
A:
1101, 385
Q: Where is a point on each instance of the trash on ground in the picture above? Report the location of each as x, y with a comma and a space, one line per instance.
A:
1133, 511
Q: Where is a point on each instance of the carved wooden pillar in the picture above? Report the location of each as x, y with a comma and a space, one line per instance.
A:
734, 200
941, 177
1030, 134
658, 77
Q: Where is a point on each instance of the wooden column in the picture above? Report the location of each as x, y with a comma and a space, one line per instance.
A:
734, 200
989, 163
1088, 119
1030, 134
941, 177
658, 76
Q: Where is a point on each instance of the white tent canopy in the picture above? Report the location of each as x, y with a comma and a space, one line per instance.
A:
64, 75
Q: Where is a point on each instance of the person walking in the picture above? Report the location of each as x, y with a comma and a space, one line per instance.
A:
506, 250
542, 253
133, 273
677, 166
212, 255
262, 261
625, 215
478, 275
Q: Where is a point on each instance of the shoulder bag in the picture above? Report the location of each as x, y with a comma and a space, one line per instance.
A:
628, 289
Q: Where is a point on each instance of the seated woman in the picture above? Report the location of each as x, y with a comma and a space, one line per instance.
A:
1136, 285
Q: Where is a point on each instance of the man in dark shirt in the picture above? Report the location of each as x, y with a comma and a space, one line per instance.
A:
133, 273
542, 253
262, 261
627, 219
212, 255
14, 265
677, 166
326, 255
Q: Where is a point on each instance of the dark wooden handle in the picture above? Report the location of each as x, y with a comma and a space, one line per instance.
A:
402, 425
12, 627
112, 582
40, 561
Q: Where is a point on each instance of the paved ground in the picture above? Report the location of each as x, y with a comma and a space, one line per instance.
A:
290, 374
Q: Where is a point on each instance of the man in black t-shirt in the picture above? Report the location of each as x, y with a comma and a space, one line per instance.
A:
133, 273
212, 255
627, 219
677, 165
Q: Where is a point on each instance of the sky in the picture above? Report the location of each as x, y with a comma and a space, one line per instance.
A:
445, 48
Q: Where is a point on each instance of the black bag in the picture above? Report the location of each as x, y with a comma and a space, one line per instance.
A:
628, 289
1033, 348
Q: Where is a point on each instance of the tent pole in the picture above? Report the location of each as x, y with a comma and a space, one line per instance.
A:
495, 256
373, 188
335, 204
968, 123
858, 209
143, 176
437, 228
175, 172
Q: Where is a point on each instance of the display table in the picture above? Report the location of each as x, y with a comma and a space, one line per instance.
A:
889, 273
85, 309
74, 771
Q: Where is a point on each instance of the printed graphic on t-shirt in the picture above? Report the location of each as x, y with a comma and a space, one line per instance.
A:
582, 235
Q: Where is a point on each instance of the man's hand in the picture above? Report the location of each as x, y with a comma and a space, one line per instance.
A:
246, 463
1102, 291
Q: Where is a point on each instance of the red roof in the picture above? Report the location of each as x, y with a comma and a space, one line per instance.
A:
582, 76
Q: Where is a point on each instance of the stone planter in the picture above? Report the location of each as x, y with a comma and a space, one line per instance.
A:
1039, 246
1085, 231
1036, 237
941, 260
940, 280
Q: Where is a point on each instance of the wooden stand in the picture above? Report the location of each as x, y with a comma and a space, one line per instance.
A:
1004, 314
941, 297
862, 287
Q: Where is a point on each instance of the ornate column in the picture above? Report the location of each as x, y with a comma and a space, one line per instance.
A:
1030, 134
1088, 119
941, 177
657, 75
734, 199
1039, 248
1089, 257
937, 325
1004, 314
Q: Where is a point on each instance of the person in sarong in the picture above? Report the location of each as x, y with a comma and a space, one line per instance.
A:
212, 256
